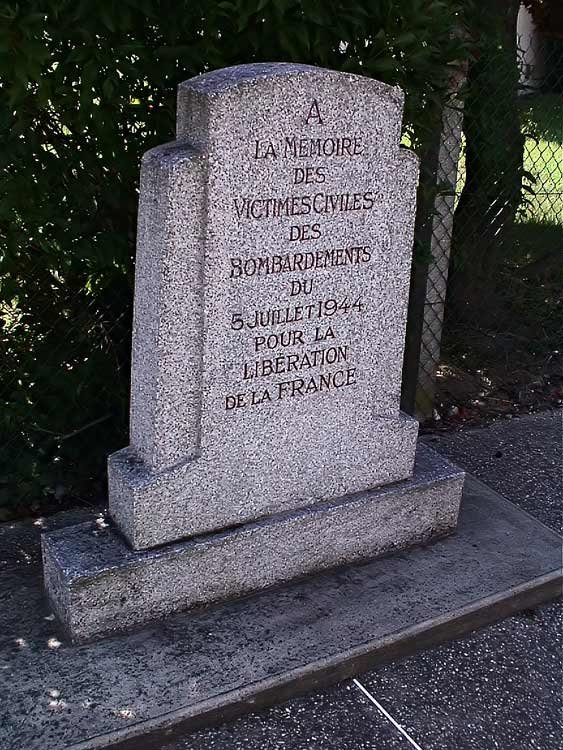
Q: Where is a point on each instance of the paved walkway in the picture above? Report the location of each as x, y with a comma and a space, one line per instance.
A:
497, 689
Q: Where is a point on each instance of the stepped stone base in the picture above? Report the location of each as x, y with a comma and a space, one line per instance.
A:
97, 585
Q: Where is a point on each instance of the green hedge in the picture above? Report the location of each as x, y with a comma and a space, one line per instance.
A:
86, 87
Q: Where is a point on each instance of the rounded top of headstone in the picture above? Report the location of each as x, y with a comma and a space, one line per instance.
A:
220, 81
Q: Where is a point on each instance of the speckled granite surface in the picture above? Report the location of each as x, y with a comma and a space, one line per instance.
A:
271, 290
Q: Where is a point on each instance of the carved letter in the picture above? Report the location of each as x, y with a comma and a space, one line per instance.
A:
314, 114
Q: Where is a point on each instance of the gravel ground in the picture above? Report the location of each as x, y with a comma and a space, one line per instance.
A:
521, 458
497, 688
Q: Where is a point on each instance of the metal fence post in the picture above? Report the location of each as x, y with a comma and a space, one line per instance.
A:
440, 247
433, 234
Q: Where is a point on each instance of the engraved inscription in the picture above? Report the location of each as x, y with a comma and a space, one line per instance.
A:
301, 347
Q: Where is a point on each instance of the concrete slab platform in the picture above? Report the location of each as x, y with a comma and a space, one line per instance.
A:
98, 585
212, 665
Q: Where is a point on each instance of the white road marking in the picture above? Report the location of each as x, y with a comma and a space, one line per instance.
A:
387, 715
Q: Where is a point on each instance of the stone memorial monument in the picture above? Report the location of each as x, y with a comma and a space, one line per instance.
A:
273, 260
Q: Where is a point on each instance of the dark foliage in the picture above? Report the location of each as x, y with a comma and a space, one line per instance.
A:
86, 88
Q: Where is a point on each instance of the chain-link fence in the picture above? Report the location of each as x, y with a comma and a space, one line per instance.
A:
499, 181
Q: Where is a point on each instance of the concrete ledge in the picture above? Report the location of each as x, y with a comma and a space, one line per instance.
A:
209, 666
97, 585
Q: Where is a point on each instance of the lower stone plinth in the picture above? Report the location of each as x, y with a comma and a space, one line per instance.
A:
97, 585
205, 494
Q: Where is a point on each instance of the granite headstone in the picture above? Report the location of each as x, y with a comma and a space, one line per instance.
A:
273, 262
